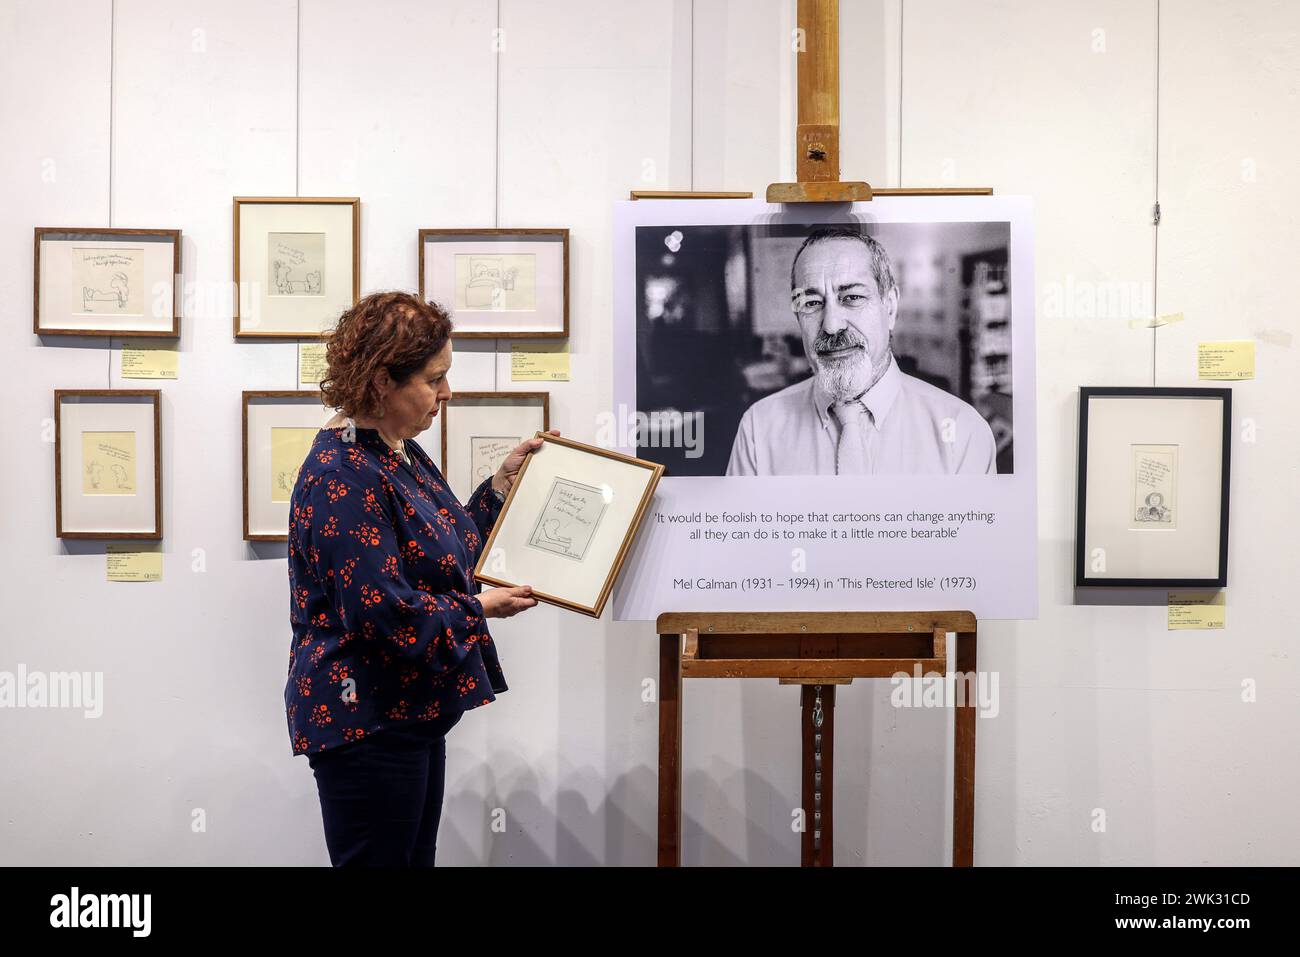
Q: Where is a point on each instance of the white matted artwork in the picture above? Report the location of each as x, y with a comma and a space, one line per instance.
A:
1153, 487
296, 264
109, 463
118, 282
107, 466
479, 429
568, 523
569, 518
279, 429
498, 282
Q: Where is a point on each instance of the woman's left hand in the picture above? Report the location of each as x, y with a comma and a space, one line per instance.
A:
509, 471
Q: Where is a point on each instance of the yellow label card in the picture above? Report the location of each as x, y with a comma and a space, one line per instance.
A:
132, 563
148, 362
1196, 610
1226, 360
311, 363
539, 362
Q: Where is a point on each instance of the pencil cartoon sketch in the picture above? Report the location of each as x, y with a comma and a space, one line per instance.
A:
489, 280
286, 285
487, 452
1155, 473
108, 463
285, 481
289, 449
1154, 509
296, 263
118, 292
568, 520
506, 281
109, 279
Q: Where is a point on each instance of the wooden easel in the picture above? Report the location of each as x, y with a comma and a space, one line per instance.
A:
817, 130
818, 650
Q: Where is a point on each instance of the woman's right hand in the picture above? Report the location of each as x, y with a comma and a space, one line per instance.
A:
506, 602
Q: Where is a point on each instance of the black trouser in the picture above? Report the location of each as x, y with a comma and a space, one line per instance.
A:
381, 798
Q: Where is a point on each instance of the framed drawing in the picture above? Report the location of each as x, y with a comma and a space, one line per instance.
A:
107, 466
297, 264
479, 429
106, 282
499, 283
568, 523
278, 431
1153, 487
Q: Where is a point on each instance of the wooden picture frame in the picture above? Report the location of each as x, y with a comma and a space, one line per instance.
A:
688, 194
505, 399
153, 266
469, 324
314, 416
1152, 488
517, 530
254, 216
71, 529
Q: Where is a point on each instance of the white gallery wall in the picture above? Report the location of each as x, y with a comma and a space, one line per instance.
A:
155, 113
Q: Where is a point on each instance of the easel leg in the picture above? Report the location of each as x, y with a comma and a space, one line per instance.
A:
963, 777
670, 751
818, 707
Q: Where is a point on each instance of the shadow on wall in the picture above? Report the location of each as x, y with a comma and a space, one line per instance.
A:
708, 795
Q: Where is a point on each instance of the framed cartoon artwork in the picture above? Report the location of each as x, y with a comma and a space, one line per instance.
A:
568, 523
278, 431
106, 282
479, 429
1153, 487
498, 283
107, 464
297, 265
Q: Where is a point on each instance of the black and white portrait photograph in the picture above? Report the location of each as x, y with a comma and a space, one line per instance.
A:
829, 349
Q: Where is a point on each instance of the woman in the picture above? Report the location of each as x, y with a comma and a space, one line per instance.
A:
390, 639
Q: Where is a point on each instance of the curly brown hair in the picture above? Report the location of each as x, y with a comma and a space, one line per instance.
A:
385, 330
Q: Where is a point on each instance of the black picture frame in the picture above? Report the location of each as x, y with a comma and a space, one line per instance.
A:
1086, 393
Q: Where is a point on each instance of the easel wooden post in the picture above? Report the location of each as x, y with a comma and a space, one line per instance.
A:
817, 129
817, 135
818, 650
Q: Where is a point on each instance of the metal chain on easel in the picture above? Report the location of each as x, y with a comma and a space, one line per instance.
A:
817, 718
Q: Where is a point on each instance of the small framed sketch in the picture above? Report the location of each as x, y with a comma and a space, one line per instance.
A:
1153, 487
107, 466
499, 283
479, 429
106, 282
568, 523
278, 431
297, 265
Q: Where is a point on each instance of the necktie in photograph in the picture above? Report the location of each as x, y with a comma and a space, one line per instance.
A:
851, 449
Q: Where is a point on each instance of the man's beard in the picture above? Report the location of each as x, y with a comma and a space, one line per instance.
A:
844, 379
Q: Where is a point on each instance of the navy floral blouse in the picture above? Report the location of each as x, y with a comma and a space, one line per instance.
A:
387, 628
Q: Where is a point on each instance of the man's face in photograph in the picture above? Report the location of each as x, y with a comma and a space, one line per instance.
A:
843, 317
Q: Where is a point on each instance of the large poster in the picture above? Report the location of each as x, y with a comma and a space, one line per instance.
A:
843, 397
